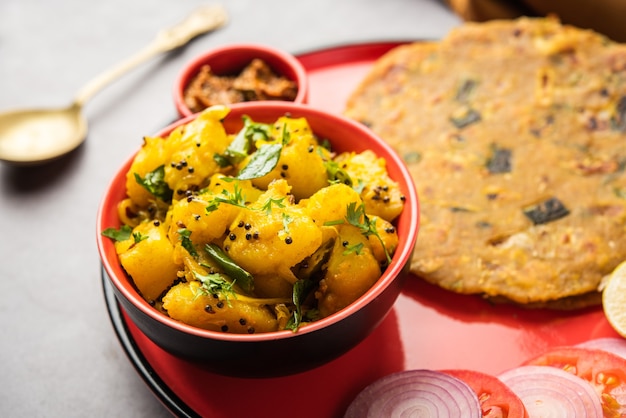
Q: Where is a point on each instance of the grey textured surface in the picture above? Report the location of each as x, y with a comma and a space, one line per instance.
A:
59, 355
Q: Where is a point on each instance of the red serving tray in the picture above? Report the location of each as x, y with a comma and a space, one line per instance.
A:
427, 328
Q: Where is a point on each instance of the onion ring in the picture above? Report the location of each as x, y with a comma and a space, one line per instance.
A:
416, 393
552, 392
611, 344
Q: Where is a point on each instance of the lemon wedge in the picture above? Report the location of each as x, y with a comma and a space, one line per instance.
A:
614, 299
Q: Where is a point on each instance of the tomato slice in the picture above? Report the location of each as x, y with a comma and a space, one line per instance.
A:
605, 371
496, 399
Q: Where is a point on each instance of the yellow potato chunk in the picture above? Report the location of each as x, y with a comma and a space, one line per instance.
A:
192, 147
151, 155
331, 203
352, 270
272, 236
381, 194
203, 226
185, 302
186, 156
389, 236
301, 162
148, 257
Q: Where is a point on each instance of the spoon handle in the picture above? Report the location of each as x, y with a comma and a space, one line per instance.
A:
202, 20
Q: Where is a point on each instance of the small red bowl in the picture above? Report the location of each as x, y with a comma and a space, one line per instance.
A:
231, 59
281, 352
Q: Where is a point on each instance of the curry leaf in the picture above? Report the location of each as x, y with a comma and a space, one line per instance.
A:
244, 141
232, 269
301, 290
262, 162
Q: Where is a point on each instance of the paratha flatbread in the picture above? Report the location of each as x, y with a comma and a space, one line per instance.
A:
515, 134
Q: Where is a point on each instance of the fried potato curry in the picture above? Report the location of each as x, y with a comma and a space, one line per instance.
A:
261, 230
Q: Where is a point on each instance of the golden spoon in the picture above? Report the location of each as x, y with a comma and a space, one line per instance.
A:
35, 136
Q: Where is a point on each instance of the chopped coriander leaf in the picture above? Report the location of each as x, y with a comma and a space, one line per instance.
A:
213, 284
286, 221
221, 160
138, 237
355, 248
121, 234
154, 182
356, 216
360, 185
267, 206
235, 198
186, 241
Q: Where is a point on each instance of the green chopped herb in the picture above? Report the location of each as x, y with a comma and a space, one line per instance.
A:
412, 157
366, 225
213, 284
335, 222
185, 235
546, 211
301, 290
236, 198
121, 234
465, 90
232, 269
221, 160
313, 265
336, 174
262, 162
243, 142
286, 221
267, 206
154, 182
355, 248
500, 160
138, 237
620, 192
325, 143
359, 186
469, 117
618, 121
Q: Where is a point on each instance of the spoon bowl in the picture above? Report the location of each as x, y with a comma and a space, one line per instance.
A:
36, 136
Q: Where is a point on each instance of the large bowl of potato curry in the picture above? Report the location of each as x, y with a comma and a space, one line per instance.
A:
259, 239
